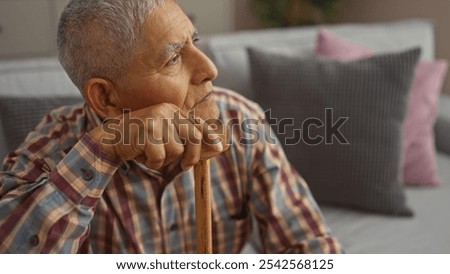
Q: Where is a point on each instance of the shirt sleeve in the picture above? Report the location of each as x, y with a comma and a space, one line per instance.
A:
289, 219
46, 206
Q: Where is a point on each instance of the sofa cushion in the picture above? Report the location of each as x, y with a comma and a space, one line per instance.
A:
367, 99
442, 129
35, 77
426, 233
228, 51
444, 106
418, 134
19, 115
331, 45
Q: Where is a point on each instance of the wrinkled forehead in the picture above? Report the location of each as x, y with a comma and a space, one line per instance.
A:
166, 25
164, 17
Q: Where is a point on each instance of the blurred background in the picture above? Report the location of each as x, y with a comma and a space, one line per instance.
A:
28, 27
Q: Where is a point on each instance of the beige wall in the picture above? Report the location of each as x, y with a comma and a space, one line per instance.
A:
210, 16
379, 10
243, 16
28, 27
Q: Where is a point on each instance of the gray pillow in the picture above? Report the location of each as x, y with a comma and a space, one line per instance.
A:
19, 115
362, 102
442, 126
442, 134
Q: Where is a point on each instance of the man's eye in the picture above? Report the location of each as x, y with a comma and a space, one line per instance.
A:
174, 60
195, 40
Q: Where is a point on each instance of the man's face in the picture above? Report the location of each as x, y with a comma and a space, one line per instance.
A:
170, 69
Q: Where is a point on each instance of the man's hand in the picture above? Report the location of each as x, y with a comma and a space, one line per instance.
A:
159, 136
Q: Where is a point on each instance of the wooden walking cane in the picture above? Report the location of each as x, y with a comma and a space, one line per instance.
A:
203, 207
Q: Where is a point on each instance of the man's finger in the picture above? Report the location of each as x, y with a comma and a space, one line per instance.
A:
192, 139
154, 147
173, 144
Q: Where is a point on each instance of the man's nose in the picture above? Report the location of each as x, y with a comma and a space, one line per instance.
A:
203, 68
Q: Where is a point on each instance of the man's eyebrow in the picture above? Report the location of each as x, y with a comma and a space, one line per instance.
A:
194, 35
170, 48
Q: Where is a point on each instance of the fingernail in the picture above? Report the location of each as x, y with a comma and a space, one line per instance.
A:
218, 146
185, 167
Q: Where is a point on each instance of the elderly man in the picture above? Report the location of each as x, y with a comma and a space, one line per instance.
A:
114, 175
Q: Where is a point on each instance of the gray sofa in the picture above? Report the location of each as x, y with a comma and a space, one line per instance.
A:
429, 230
29, 88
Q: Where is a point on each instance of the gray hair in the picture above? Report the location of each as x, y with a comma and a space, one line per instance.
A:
100, 38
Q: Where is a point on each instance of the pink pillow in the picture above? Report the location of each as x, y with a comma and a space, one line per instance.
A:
418, 135
330, 45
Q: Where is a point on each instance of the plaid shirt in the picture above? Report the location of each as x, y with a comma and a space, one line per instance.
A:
59, 193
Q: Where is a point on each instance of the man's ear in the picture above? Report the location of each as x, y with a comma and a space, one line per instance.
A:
101, 96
